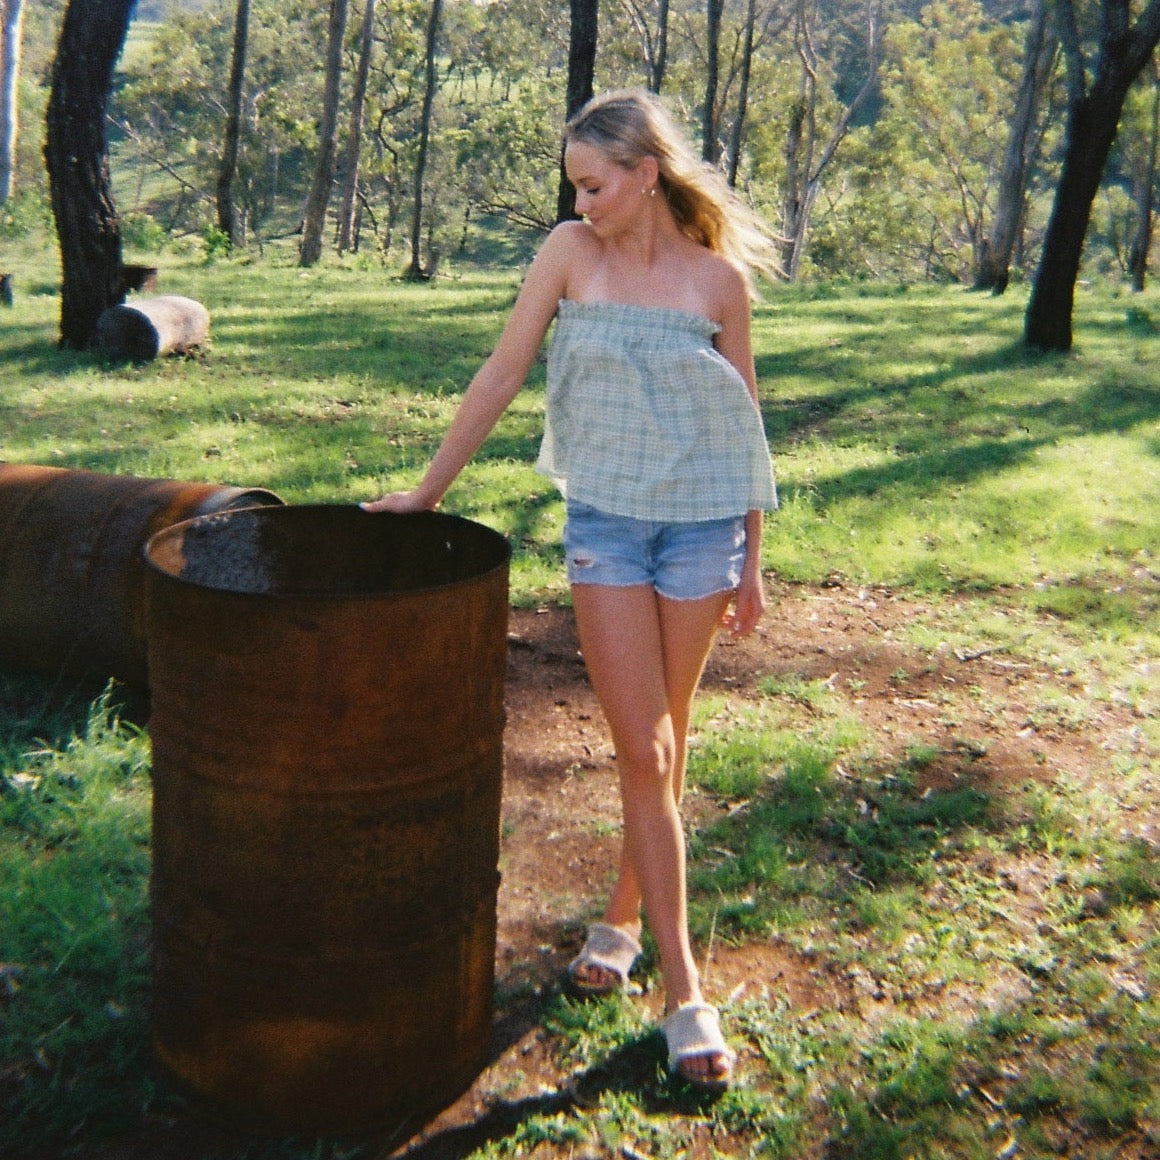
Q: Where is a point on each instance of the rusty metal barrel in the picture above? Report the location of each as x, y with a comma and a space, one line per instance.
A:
72, 573
327, 726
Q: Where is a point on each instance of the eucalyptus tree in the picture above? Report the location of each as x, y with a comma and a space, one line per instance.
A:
650, 22
430, 85
746, 94
997, 245
508, 120
226, 209
11, 45
314, 215
710, 136
1142, 150
738, 134
77, 158
810, 148
582, 39
171, 109
1102, 61
348, 213
949, 83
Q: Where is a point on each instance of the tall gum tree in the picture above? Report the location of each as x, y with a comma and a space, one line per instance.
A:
993, 269
77, 157
11, 37
314, 216
582, 37
416, 270
806, 157
348, 213
227, 210
1143, 172
1095, 100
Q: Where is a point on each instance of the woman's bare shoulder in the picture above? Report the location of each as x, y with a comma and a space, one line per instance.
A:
720, 282
572, 250
571, 238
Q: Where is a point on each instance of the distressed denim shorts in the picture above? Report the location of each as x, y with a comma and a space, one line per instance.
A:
687, 560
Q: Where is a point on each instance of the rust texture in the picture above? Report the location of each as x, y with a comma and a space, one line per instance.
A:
327, 729
72, 572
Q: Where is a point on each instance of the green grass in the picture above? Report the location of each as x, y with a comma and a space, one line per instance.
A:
918, 447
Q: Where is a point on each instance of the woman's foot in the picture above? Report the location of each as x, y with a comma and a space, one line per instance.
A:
604, 962
698, 1052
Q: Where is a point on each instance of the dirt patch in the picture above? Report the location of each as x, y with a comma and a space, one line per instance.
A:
561, 808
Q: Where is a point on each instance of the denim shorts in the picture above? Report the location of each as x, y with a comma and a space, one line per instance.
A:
686, 560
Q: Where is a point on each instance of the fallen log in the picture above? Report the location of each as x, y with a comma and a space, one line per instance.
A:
153, 327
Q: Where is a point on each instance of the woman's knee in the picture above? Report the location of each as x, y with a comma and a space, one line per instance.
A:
646, 760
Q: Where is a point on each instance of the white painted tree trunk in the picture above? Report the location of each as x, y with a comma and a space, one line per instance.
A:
10, 44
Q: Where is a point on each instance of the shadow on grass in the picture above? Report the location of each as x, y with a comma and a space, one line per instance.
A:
638, 1068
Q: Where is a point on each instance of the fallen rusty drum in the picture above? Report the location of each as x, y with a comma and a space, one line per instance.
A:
72, 570
327, 729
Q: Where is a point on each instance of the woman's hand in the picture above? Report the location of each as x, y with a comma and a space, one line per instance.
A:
399, 502
748, 606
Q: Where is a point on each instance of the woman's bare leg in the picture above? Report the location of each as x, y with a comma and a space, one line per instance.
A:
645, 655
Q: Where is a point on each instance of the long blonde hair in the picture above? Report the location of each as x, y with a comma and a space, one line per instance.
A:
627, 125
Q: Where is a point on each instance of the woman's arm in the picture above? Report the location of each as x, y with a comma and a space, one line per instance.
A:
749, 604
497, 381
735, 343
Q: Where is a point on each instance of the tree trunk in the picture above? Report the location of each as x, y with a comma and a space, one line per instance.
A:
994, 267
710, 144
226, 209
314, 217
348, 215
10, 44
416, 268
803, 177
1093, 118
1145, 192
76, 155
581, 73
660, 59
738, 135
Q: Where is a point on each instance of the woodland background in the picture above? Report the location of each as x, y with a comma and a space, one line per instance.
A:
877, 138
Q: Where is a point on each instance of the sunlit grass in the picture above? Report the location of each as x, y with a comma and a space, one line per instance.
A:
917, 447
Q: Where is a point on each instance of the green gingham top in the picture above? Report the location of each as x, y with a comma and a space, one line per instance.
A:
646, 418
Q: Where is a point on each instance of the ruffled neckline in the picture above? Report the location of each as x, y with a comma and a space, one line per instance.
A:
651, 316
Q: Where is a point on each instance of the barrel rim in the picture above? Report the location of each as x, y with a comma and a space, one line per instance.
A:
154, 569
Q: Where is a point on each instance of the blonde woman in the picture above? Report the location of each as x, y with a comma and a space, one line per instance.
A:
653, 435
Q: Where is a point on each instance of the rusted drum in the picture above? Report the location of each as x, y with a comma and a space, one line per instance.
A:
72, 574
327, 737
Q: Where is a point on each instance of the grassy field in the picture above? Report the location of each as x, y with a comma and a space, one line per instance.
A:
919, 449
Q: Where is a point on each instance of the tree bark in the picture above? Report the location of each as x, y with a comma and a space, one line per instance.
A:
710, 143
314, 217
994, 267
581, 73
348, 215
803, 176
654, 44
1093, 118
737, 137
660, 59
76, 154
1145, 193
11, 31
416, 269
226, 208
